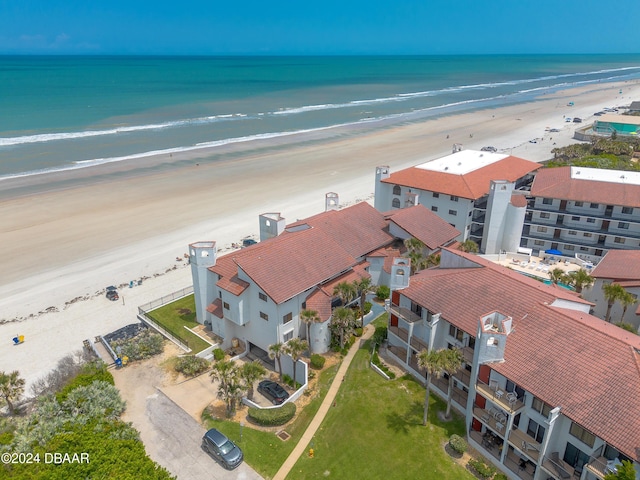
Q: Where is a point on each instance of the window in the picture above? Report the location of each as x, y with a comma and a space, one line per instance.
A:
539, 242
396, 190
574, 456
536, 431
627, 210
587, 234
436, 195
572, 232
469, 214
594, 205
581, 434
453, 212
262, 296
395, 203
264, 316
542, 229
618, 240
569, 247
545, 215
455, 333
578, 204
575, 219
623, 225
225, 305
547, 201
287, 318
219, 293
591, 220
584, 249
288, 336
453, 198
434, 209
541, 407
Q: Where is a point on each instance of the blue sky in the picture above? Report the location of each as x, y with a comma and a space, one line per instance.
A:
212, 27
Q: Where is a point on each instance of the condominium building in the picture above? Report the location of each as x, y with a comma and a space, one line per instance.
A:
547, 390
583, 211
256, 294
479, 193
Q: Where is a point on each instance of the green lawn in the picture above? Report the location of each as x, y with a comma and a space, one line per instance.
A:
263, 450
375, 431
174, 316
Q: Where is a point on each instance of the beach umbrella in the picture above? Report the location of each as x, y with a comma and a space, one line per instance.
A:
553, 251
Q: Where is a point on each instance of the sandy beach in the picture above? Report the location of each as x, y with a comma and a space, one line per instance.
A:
65, 237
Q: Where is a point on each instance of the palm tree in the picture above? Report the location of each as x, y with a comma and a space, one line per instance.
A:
342, 323
626, 299
226, 373
580, 279
275, 351
433, 260
11, 388
414, 245
469, 246
612, 292
429, 361
250, 372
451, 362
309, 317
363, 286
345, 291
556, 275
418, 261
294, 349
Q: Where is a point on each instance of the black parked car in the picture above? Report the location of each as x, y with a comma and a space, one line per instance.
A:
273, 391
221, 448
112, 293
247, 242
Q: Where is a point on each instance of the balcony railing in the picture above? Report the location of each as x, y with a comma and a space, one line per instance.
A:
457, 395
499, 397
519, 466
405, 313
598, 466
491, 419
418, 344
401, 333
525, 444
557, 467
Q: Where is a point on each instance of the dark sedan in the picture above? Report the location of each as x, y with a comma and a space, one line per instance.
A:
273, 391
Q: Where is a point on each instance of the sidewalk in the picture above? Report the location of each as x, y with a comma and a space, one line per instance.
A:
324, 408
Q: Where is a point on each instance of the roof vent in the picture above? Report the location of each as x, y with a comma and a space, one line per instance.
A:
622, 177
446, 168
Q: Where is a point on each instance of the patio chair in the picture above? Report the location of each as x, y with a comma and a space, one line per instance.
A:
499, 426
493, 385
512, 397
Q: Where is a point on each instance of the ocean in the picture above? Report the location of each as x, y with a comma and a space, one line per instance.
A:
60, 113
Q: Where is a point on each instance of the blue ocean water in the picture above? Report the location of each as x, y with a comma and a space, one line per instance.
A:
60, 113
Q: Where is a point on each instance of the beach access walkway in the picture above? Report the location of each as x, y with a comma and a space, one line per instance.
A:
324, 408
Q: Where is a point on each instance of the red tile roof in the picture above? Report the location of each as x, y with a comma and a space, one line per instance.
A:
216, 308
320, 301
307, 254
518, 200
421, 223
557, 183
472, 185
619, 265
565, 357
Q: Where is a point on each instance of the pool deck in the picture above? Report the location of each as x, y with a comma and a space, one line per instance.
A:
537, 266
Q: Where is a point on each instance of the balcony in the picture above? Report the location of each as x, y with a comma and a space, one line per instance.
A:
520, 466
404, 313
467, 352
418, 344
499, 397
457, 395
491, 419
490, 443
525, 444
557, 467
598, 466
401, 333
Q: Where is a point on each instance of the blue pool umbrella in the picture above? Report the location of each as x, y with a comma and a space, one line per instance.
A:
553, 251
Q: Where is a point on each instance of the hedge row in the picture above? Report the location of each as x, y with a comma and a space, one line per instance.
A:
273, 416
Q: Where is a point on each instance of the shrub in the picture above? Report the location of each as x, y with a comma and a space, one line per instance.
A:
627, 326
287, 380
317, 361
379, 335
92, 372
457, 444
367, 307
218, 354
484, 470
358, 332
500, 476
383, 292
190, 365
142, 346
375, 359
273, 416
